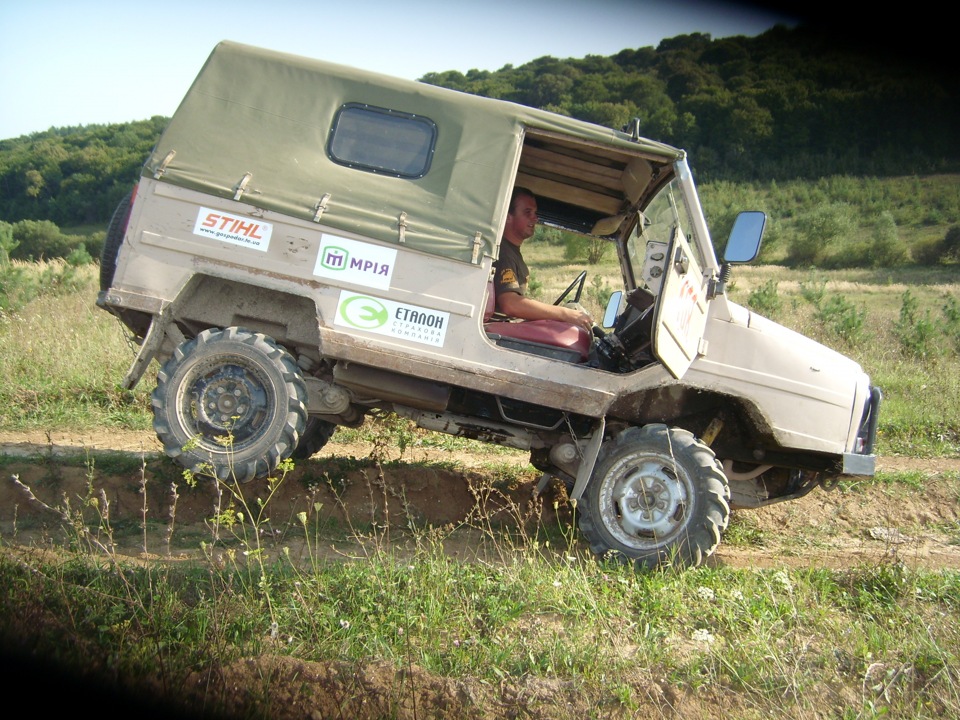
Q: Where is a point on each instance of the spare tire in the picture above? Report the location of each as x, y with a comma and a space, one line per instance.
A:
111, 246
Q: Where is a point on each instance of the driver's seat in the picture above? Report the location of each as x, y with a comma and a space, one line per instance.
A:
549, 338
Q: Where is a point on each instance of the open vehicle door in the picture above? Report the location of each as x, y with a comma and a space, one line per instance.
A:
681, 313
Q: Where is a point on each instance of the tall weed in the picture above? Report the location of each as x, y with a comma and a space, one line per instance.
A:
916, 329
843, 318
765, 299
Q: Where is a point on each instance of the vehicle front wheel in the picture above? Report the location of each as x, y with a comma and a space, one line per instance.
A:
657, 497
230, 403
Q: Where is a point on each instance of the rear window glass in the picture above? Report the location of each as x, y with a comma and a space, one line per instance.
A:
382, 141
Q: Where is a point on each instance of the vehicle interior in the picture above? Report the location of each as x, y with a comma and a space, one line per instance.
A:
581, 187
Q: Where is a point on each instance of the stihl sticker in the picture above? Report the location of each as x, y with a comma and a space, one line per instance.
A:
355, 262
386, 317
244, 231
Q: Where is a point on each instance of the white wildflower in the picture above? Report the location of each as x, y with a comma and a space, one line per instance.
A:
705, 593
781, 578
703, 637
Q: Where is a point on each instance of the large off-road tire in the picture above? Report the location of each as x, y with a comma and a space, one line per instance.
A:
111, 246
317, 434
657, 496
230, 403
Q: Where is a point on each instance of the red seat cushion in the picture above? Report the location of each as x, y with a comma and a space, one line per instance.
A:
546, 332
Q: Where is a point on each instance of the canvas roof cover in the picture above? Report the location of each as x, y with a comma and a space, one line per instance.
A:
261, 120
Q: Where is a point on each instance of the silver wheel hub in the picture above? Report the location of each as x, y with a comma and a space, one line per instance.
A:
648, 501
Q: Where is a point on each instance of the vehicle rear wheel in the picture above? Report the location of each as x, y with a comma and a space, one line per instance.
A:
317, 434
657, 497
230, 403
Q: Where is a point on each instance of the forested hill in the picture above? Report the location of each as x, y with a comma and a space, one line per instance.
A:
790, 103
787, 104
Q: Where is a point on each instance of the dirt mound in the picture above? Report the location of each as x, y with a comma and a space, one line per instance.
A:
137, 503
462, 496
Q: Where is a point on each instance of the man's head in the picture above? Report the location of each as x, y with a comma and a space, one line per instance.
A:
522, 217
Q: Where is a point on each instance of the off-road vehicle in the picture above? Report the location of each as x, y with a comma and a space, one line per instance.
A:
310, 243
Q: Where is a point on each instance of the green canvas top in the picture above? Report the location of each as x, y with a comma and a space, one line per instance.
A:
260, 121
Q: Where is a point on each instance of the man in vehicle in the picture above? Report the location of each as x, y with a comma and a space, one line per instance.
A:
510, 278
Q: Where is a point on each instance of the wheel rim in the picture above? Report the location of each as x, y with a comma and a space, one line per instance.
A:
226, 399
646, 502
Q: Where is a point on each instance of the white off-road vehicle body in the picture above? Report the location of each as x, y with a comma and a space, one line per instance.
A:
309, 243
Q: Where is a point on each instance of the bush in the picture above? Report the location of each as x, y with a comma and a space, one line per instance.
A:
928, 252
79, 256
40, 240
600, 292
951, 244
844, 319
814, 291
548, 236
819, 231
765, 299
917, 334
585, 248
94, 243
886, 250
951, 316
7, 243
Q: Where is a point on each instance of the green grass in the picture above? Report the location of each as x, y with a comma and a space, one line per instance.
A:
783, 642
530, 605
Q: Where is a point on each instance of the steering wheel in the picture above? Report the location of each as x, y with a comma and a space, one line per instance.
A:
577, 283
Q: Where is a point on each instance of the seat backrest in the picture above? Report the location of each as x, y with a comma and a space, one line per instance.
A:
491, 302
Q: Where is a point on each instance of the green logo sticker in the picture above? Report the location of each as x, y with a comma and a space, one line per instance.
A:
333, 258
364, 312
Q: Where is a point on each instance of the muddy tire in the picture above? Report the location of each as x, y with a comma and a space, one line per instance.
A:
230, 403
317, 434
111, 246
657, 497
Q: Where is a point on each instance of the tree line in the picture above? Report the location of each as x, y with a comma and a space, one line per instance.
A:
791, 103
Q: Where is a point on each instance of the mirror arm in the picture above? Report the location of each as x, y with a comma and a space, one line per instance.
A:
718, 285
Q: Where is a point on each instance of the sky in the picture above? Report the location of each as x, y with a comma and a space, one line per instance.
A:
65, 63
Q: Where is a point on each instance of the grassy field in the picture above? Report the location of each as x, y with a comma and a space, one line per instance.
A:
544, 631
61, 358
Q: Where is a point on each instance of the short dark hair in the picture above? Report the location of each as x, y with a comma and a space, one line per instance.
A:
519, 192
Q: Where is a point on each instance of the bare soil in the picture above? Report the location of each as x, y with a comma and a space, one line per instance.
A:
463, 496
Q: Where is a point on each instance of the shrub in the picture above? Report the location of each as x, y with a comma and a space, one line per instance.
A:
951, 316
765, 299
94, 243
814, 290
818, 231
548, 236
951, 244
928, 252
886, 250
843, 318
585, 248
599, 291
39, 239
916, 333
79, 256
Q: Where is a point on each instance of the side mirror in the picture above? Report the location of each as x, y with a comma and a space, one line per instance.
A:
613, 309
744, 243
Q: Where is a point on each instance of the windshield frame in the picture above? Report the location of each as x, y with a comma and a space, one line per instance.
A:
675, 204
